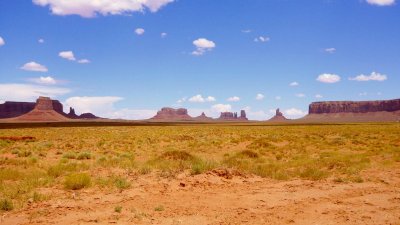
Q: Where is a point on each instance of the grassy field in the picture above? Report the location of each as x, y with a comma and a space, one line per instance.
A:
106, 157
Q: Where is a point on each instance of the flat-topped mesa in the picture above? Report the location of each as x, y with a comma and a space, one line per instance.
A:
14, 109
354, 106
17, 109
172, 114
233, 116
44, 103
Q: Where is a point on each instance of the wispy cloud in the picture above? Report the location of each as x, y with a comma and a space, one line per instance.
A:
34, 66
29, 92
91, 8
201, 99
374, 76
328, 78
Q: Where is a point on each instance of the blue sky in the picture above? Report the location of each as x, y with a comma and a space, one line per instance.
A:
129, 59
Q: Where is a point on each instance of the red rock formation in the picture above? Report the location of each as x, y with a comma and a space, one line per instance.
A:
14, 109
88, 116
233, 116
43, 111
203, 117
354, 106
172, 114
278, 117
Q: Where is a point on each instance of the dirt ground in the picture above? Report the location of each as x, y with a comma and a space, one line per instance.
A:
224, 197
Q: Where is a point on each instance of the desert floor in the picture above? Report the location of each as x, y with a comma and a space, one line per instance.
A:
202, 174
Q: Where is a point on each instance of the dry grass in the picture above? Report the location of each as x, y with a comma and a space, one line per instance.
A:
106, 157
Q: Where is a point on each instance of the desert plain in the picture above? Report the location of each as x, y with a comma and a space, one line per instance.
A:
201, 174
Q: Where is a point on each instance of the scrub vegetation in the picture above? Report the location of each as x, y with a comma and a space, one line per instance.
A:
72, 159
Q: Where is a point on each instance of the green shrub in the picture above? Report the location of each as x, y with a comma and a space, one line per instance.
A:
69, 155
6, 205
177, 155
118, 209
121, 183
159, 208
77, 181
84, 155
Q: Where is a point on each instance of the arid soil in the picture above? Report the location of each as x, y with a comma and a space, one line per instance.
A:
224, 197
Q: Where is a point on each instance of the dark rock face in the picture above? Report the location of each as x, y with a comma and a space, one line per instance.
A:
72, 114
354, 106
278, 117
203, 117
172, 114
14, 109
88, 116
233, 116
278, 113
44, 103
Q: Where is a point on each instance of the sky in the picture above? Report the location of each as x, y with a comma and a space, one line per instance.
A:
129, 58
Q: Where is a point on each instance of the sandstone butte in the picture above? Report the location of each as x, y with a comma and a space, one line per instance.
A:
170, 114
230, 116
354, 111
44, 109
279, 117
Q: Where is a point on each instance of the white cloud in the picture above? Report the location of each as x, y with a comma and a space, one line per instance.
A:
139, 31
2, 42
262, 39
41, 40
260, 97
256, 115
34, 66
202, 45
84, 61
294, 113
221, 108
374, 76
91, 8
328, 78
381, 2
318, 96
29, 92
69, 55
294, 83
163, 34
246, 31
99, 105
330, 50
278, 98
233, 99
201, 99
130, 114
182, 100
44, 80
363, 94
300, 95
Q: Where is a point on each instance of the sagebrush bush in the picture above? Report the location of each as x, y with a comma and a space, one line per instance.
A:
6, 205
77, 181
